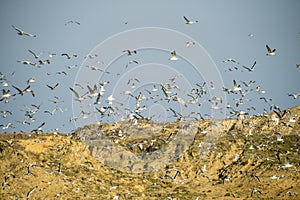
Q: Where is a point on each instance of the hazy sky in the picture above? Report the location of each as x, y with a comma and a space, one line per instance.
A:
223, 31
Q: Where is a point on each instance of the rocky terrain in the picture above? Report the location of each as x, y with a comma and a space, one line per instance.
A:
257, 157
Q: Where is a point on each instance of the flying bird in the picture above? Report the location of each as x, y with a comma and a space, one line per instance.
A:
173, 56
97, 102
21, 32
72, 22
52, 87
44, 62
36, 56
6, 94
27, 89
270, 52
39, 128
25, 62
295, 95
130, 52
78, 97
251, 69
187, 21
69, 56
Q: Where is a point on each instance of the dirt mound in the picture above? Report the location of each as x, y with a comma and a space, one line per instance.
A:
257, 157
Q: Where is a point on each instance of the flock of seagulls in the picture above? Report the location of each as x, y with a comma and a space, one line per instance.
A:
107, 105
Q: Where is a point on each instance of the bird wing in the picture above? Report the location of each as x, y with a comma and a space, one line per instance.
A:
246, 68
34, 54
50, 87
253, 65
20, 91
186, 19
268, 48
76, 94
17, 29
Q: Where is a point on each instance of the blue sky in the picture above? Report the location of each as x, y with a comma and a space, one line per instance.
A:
222, 30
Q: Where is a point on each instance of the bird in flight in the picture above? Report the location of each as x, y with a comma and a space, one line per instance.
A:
270, 51
130, 52
251, 69
21, 32
78, 97
295, 95
39, 128
72, 22
187, 21
52, 87
69, 56
36, 56
25, 62
173, 56
27, 89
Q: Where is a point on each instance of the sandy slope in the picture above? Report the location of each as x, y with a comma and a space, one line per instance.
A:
245, 160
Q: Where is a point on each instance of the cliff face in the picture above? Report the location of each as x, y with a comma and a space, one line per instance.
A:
257, 157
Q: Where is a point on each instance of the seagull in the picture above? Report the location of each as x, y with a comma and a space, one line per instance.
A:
98, 99
173, 56
110, 99
72, 22
270, 52
39, 128
22, 92
50, 112
93, 92
229, 60
69, 56
248, 84
287, 163
51, 54
295, 95
189, 43
298, 66
78, 97
53, 87
5, 113
34, 54
31, 80
187, 21
25, 62
251, 69
44, 62
131, 62
21, 32
236, 87
130, 52
265, 99
279, 137
6, 94
6, 126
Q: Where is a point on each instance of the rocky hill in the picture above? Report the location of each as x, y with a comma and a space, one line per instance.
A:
257, 157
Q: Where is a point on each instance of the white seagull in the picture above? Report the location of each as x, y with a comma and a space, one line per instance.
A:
270, 51
187, 21
251, 69
173, 56
78, 97
21, 32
